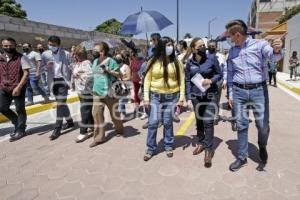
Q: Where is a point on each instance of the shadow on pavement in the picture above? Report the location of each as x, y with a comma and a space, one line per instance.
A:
252, 150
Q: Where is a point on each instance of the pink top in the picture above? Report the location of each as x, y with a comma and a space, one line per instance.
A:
135, 65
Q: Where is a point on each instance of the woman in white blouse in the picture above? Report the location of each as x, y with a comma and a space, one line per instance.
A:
82, 74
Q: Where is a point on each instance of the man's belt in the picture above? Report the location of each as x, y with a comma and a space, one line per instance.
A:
250, 86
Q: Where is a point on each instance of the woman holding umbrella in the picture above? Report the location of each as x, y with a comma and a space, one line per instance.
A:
163, 88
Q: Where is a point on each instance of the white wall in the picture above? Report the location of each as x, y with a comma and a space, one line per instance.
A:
292, 40
276, 5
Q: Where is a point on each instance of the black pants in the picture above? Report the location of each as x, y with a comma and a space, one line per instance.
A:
60, 91
86, 108
292, 72
19, 119
272, 75
205, 109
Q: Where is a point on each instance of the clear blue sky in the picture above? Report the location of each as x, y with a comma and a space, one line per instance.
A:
87, 14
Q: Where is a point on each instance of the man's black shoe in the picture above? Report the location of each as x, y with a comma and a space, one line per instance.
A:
56, 133
236, 165
18, 135
68, 125
263, 154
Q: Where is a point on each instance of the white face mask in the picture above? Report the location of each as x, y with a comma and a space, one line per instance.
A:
151, 44
52, 48
230, 42
169, 50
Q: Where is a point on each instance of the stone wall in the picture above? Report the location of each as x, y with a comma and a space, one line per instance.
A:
37, 32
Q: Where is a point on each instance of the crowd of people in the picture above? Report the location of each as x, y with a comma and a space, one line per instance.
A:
163, 80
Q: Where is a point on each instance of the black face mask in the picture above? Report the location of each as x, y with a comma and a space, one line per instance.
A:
9, 50
211, 50
96, 54
25, 50
41, 50
201, 52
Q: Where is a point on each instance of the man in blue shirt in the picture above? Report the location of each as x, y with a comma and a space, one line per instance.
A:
246, 78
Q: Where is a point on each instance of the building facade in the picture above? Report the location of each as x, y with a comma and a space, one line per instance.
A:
265, 13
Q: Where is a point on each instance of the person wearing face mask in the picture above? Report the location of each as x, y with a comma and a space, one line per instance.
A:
82, 73
163, 88
136, 61
43, 70
57, 61
14, 72
154, 38
125, 73
212, 52
105, 73
204, 103
246, 78
34, 74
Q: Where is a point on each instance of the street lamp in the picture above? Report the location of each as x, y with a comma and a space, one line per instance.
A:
209, 22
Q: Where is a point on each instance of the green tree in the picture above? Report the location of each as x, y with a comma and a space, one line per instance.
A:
289, 13
12, 8
111, 26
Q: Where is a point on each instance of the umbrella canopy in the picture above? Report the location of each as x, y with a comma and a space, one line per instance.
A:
89, 44
143, 22
250, 31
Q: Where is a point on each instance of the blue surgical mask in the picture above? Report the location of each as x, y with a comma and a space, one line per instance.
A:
230, 42
52, 48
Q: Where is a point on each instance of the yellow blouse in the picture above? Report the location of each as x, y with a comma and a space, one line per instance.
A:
154, 80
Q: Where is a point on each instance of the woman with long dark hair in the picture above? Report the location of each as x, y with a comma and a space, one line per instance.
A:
204, 102
163, 88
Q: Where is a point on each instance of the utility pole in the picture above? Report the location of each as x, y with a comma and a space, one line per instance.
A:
209, 22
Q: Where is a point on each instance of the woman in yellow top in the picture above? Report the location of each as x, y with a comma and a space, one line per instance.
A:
164, 88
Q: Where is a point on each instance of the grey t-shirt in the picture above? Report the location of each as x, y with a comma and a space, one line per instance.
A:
33, 58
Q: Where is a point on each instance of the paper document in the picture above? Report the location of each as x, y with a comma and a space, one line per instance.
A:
198, 80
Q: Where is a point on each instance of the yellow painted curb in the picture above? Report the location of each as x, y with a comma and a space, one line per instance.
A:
41, 107
289, 87
186, 125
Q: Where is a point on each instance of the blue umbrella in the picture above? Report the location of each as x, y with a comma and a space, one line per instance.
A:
143, 22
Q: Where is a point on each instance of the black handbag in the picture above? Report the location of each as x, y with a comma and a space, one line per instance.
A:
120, 89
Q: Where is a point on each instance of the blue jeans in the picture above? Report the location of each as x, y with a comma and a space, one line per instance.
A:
122, 102
162, 106
44, 78
33, 85
258, 100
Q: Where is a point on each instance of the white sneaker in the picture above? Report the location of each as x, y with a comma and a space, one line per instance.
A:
144, 116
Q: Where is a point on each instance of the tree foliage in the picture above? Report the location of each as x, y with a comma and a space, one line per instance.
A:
111, 26
289, 13
12, 8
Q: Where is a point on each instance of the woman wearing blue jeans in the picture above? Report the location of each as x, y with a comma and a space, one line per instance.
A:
164, 88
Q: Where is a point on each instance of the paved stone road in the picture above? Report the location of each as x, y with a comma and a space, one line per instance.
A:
35, 168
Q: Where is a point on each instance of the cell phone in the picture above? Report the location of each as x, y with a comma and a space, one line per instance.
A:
103, 66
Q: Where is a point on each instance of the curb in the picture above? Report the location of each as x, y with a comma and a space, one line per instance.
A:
41, 107
289, 87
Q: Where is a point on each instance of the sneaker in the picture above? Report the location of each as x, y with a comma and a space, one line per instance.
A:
46, 100
82, 137
29, 103
144, 116
263, 154
147, 157
176, 118
68, 125
145, 126
169, 153
236, 165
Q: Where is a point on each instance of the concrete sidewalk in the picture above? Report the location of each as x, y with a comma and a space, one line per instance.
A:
292, 85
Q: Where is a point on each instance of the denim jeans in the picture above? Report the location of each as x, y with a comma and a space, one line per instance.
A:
122, 102
258, 100
162, 106
33, 85
205, 110
44, 79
